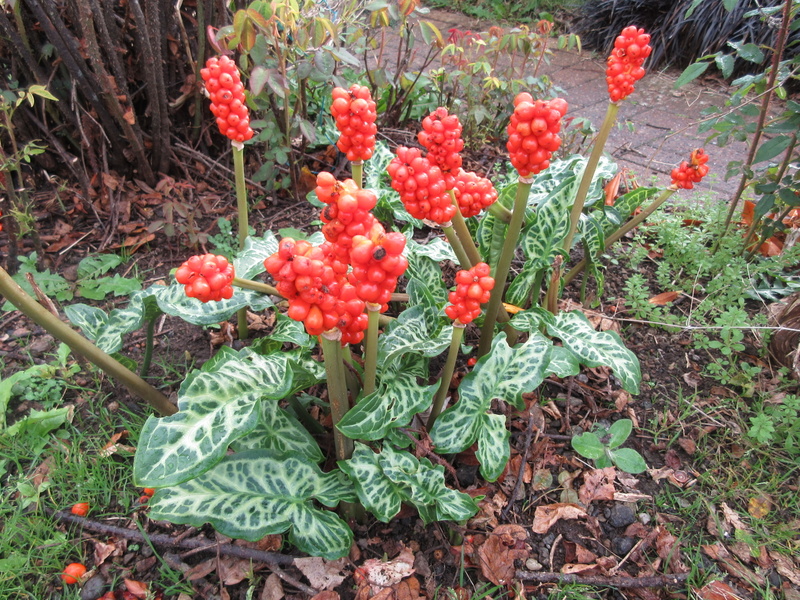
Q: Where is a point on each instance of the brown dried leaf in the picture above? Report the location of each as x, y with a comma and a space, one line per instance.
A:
273, 590
102, 551
498, 553
573, 569
322, 574
668, 548
201, 569
113, 446
598, 484
327, 595
786, 567
136, 588
383, 574
584, 556
717, 590
688, 444
732, 518
546, 516
233, 570
759, 506
715, 551
408, 589
664, 298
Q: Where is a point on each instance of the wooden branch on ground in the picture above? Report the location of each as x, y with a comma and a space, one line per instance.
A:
651, 581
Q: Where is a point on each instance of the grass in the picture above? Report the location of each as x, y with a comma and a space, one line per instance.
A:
501, 10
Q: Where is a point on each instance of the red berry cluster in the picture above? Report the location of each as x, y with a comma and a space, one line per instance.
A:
533, 132
378, 263
355, 114
631, 48
318, 296
347, 213
441, 136
688, 173
473, 288
227, 98
206, 277
473, 193
421, 186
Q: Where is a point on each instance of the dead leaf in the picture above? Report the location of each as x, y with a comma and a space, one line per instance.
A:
233, 570
137, 588
688, 444
598, 484
382, 574
269, 543
664, 298
408, 589
759, 506
322, 574
672, 459
113, 446
668, 548
573, 569
129, 117
201, 569
716, 590
273, 590
785, 567
326, 595
102, 551
584, 556
732, 518
546, 516
716, 551
498, 553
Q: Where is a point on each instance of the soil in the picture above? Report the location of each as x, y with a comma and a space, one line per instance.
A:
622, 535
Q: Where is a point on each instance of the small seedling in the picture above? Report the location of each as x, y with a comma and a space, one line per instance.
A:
603, 447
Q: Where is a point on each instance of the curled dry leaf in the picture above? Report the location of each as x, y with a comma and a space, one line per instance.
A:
546, 516
598, 484
379, 574
322, 574
136, 588
717, 590
502, 547
664, 298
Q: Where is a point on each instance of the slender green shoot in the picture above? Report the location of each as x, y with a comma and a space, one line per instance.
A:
244, 224
447, 374
371, 347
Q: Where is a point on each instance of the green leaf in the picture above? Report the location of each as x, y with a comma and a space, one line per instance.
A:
281, 434
395, 402
98, 289
215, 408
725, 63
628, 460
427, 271
749, 52
291, 331
493, 449
107, 331
691, 9
619, 432
40, 422
596, 348
588, 445
96, 265
772, 148
563, 363
8, 383
541, 241
173, 301
410, 332
253, 494
691, 73
762, 428
250, 261
593, 236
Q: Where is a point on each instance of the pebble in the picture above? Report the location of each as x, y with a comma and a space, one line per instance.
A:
644, 518
93, 588
622, 545
533, 565
774, 579
621, 516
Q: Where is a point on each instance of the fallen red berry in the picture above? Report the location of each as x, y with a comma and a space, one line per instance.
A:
72, 573
149, 491
81, 509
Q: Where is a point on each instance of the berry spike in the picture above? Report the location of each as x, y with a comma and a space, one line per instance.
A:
226, 92
354, 113
473, 288
533, 132
688, 173
441, 137
624, 69
421, 185
206, 277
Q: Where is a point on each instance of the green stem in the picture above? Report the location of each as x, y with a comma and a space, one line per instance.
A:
447, 374
244, 225
371, 349
357, 169
148, 348
504, 264
766, 233
588, 173
462, 231
500, 212
337, 389
634, 222
80, 345
536, 288
455, 244
312, 425
256, 286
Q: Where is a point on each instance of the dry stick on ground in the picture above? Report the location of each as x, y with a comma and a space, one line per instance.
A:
201, 544
518, 483
652, 581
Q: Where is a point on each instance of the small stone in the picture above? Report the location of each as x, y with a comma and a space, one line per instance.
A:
774, 579
621, 516
533, 565
466, 475
644, 518
622, 545
93, 588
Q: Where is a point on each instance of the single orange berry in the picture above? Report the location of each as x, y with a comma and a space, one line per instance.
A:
149, 491
81, 509
72, 573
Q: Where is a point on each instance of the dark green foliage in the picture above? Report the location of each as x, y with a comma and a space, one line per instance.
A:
678, 40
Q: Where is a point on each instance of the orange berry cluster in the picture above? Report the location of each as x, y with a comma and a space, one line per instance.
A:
378, 263
441, 137
473, 193
421, 186
533, 132
318, 296
355, 114
206, 277
227, 98
473, 288
688, 173
631, 48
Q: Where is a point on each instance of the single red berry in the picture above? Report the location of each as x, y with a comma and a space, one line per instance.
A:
72, 573
81, 509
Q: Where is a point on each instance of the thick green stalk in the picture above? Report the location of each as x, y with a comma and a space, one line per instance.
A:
80, 345
504, 264
455, 244
447, 374
337, 389
634, 222
357, 169
588, 173
371, 348
244, 224
500, 212
462, 231
150, 327
256, 286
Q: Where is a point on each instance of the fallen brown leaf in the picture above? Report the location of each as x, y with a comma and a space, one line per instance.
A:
326, 595
732, 518
384, 574
717, 590
668, 548
598, 484
408, 589
322, 574
137, 588
498, 553
201, 569
273, 590
688, 444
759, 506
786, 567
546, 516
233, 570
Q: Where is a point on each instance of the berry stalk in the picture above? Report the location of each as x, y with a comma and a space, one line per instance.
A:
447, 373
256, 286
463, 234
455, 243
337, 389
371, 347
244, 225
357, 169
503, 264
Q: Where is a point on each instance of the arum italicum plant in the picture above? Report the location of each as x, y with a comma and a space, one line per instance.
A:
244, 452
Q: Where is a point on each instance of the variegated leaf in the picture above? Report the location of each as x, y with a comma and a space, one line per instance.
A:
410, 332
379, 495
250, 261
305, 370
173, 301
281, 434
542, 239
253, 494
493, 449
107, 330
562, 363
435, 249
519, 290
215, 408
594, 240
291, 331
398, 398
597, 348
532, 319
428, 272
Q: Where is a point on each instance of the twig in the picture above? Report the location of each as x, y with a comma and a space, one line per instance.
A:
518, 484
652, 581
